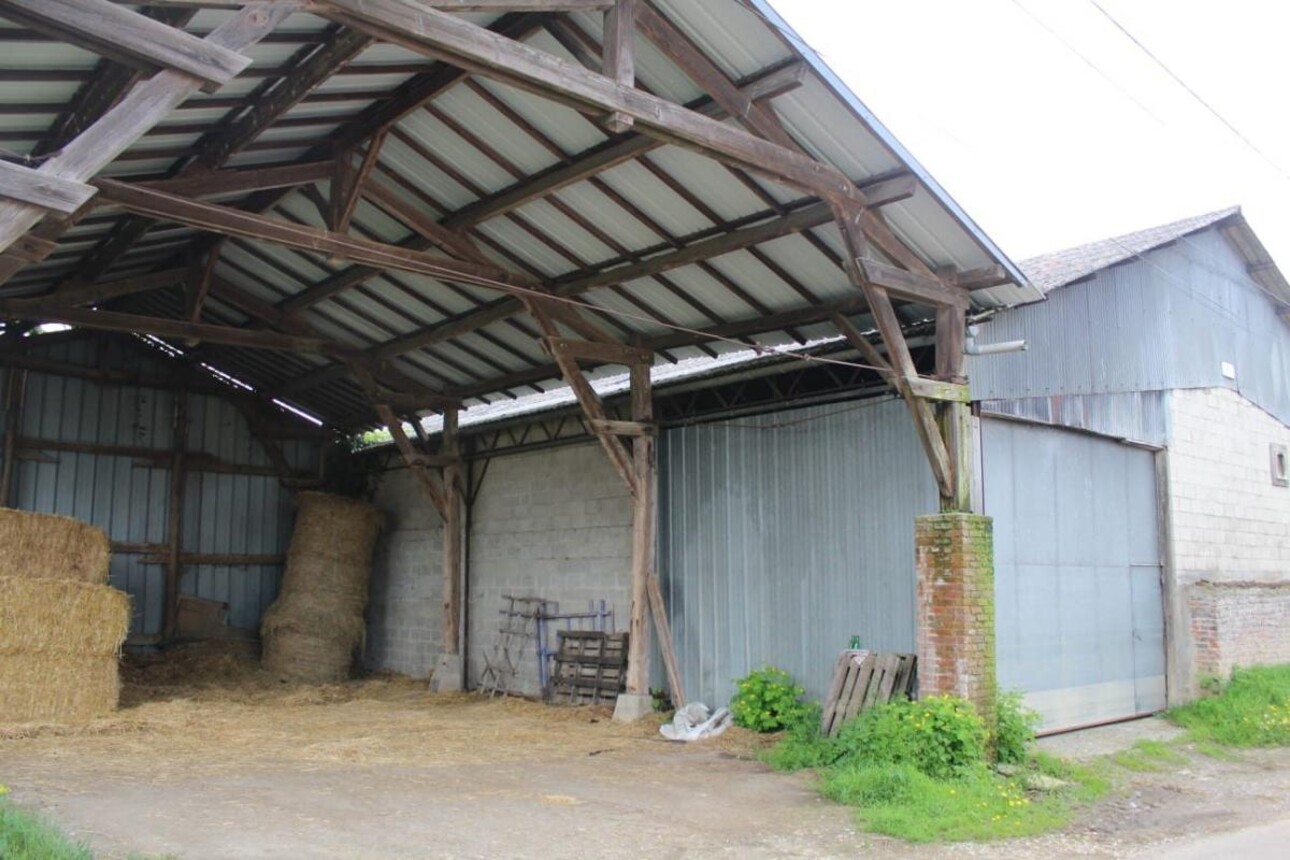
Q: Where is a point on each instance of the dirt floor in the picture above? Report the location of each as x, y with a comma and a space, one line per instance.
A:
239, 766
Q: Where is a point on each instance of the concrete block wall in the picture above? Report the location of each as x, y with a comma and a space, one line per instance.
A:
1229, 528
405, 609
553, 524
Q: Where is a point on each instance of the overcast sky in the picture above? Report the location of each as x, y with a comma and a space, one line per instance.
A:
1051, 128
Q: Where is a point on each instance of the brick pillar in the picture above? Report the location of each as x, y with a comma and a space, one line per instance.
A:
955, 568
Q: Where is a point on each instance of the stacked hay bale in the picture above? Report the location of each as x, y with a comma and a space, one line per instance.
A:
315, 628
61, 625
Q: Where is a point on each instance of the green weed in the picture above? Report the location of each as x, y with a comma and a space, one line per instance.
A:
1250, 710
23, 836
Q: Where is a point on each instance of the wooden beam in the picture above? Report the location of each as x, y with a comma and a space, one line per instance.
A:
666, 644
52, 193
75, 293
620, 55
983, 278
912, 286
611, 154
934, 389
129, 38
634, 429
485, 53
452, 537
234, 222
456, 243
37, 310
644, 522
145, 105
593, 409
309, 68
199, 285
210, 182
14, 390
175, 514
690, 59
898, 356
348, 180
867, 350
412, 458
602, 353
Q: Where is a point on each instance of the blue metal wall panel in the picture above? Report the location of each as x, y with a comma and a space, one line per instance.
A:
223, 513
1169, 320
1079, 617
782, 535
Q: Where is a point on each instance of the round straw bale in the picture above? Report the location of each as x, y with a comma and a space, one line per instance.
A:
45, 546
331, 546
313, 630
44, 616
310, 645
57, 687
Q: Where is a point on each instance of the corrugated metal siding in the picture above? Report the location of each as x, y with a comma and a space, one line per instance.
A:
1138, 416
1079, 617
782, 535
224, 514
1167, 321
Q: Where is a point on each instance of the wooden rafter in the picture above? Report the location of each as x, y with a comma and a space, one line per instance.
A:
51, 193
129, 38
243, 181
485, 53
349, 179
144, 106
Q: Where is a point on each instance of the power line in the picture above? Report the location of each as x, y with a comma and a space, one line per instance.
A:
1195, 95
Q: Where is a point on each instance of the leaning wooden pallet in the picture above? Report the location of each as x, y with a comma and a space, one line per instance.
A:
863, 679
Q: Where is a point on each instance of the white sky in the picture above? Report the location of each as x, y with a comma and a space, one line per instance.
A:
1043, 150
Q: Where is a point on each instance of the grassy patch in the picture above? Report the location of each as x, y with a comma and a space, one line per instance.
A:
917, 771
23, 836
1149, 757
977, 805
1250, 710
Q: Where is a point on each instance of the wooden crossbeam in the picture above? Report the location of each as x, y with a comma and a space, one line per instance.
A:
601, 353
79, 293
623, 428
898, 356
234, 222
433, 489
41, 311
456, 243
53, 193
690, 59
205, 183
142, 108
129, 38
487, 54
348, 181
912, 286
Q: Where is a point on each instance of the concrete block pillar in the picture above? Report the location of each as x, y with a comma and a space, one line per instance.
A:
955, 609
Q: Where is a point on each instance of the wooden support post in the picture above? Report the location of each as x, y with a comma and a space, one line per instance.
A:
175, 516
955, 416
451, 537
665, 643
644, 514
15, 389
620, 56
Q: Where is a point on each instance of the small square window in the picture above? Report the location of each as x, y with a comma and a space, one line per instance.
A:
1280, 466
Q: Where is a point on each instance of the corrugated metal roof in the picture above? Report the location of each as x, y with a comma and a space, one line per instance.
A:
477, 139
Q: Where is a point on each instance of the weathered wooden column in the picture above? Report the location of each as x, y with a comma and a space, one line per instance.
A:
15, 388
450, 669
637, 702
175, 516
954, 414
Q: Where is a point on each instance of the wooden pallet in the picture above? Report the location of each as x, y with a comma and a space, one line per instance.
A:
590, 667
863, 679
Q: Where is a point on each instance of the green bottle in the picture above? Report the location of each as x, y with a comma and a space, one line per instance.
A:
855, 642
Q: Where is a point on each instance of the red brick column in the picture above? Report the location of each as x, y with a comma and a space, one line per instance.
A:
955, 606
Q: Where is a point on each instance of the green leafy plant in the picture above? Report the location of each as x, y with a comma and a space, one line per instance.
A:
804, 745
1014, 729
767, 700
939, 736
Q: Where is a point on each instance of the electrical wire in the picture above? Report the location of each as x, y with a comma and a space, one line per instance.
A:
1195, 95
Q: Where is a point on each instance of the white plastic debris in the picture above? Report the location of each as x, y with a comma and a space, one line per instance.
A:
695, 722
